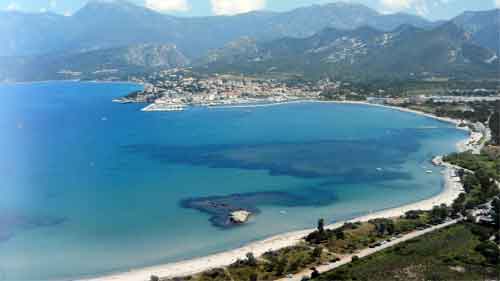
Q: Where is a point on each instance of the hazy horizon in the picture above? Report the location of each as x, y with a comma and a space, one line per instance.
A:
433, 10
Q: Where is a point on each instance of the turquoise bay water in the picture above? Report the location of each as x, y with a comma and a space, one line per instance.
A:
90, 187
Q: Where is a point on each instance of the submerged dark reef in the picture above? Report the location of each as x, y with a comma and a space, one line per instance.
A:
336, 161
220, 207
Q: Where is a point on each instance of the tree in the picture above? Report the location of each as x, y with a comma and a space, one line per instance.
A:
413, 214
495, 212
381, 229
439, 213
339, 234
494, 125
154, 278
458, 206
251, 260
490, 251
485, 178
391, 228
321, 225
470, 182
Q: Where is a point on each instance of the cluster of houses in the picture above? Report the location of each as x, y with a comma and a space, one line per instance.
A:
173, 90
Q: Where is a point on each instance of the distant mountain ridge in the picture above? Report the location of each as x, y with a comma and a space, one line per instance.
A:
115, 38
363, 53
484, 27
104, 24
96, 64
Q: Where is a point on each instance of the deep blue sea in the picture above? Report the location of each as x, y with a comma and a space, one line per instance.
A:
89, 187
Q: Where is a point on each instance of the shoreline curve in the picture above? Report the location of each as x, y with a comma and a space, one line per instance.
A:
451, 190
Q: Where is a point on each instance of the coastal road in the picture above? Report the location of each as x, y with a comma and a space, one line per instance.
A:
369, 251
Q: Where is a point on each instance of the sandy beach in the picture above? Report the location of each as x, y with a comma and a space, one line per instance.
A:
452, 188
444, 119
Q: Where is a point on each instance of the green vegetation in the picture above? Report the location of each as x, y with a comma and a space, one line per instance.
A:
481, 185
454, 253
494, 124
484, 164
467, 251
270, 266
471, 111
352, 237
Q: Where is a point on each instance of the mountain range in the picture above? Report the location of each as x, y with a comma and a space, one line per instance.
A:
118, 38
364, 53
117, 23
484, 27
117, 63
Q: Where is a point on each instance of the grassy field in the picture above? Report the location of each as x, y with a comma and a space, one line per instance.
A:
448, 254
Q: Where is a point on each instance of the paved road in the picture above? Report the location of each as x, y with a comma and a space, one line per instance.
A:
369, 251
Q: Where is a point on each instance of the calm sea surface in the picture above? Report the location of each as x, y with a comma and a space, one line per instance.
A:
88, 186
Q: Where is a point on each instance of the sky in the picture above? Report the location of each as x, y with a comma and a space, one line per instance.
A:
431, 9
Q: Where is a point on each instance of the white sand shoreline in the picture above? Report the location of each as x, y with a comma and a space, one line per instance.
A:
444, 119
451, 190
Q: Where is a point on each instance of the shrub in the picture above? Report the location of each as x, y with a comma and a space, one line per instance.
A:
490, 251
314, 274
316, 253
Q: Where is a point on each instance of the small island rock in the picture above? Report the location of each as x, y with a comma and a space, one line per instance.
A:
240, 216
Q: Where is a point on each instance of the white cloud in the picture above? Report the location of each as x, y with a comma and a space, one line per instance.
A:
419, 6
396, 5
168, 5
231, 7
497, 3
52, 4
13, 6
43, 10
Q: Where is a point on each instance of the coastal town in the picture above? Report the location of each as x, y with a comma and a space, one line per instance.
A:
174, 90
178, 89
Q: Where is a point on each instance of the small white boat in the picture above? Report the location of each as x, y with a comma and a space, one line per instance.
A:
428, 172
